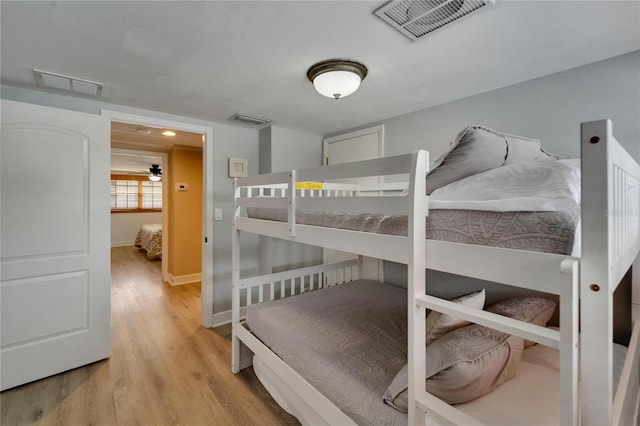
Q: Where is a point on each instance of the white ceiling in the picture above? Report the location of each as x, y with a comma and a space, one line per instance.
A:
127, 162
213, 59
136, 147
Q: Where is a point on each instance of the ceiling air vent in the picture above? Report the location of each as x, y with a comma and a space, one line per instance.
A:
251, 120
54, 80
417, 18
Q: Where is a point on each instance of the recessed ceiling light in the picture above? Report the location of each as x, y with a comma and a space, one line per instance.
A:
169, 133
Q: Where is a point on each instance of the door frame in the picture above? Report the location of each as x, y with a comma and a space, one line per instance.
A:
354, 134
206, 286
379, 129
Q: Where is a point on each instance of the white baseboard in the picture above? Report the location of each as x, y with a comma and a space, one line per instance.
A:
222, 318
184, 279
122, 243
635, 281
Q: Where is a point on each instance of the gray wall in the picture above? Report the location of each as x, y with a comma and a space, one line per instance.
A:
549, 108
228, 141
284, 149
294, 149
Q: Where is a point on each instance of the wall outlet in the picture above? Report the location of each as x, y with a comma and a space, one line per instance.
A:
181, 186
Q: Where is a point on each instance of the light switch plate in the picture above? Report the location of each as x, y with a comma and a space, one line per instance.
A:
217, 215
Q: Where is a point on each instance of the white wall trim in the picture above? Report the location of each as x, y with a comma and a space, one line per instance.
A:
122, 243
635, 280
184, 279
206, 294
222, 318
379, 130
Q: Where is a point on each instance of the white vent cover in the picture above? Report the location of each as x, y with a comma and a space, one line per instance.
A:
65, 82
417, 18
250, 119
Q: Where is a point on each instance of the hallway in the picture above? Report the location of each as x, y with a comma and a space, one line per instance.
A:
165, 369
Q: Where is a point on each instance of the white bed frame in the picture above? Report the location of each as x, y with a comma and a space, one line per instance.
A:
610, 244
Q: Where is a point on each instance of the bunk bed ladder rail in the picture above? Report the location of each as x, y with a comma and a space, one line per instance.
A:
416, 287
610, 243
566, 340
627, 400
235, 282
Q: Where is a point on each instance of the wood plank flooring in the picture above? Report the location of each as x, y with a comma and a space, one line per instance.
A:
164, 369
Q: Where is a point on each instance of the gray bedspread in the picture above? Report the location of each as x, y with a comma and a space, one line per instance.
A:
348, 341
548, 232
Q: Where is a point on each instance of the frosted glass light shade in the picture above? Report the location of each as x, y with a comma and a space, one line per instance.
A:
154, 178
337, 84
337, 78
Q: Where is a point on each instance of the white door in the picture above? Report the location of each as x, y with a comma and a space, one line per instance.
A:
363, 144
55, 253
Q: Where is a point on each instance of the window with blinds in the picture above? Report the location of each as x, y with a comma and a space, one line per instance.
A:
135, 194
151, 195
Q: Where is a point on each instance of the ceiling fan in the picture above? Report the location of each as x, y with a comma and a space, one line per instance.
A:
155, 173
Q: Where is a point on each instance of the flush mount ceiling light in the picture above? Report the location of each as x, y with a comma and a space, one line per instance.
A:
155, 173
337, 78
143, 131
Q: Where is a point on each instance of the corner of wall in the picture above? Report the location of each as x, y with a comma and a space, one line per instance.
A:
264, 150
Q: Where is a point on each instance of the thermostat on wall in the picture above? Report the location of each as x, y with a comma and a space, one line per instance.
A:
181, 186
237, 167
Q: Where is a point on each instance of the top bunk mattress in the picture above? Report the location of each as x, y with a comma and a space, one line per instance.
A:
326, 337
540, 231
531, 205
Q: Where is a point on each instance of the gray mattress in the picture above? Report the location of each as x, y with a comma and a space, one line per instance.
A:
348, 341
548, 232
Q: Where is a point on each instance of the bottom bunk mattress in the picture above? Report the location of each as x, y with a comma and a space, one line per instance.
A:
150, 238
350, 340
326, 336
545, 231
531, 398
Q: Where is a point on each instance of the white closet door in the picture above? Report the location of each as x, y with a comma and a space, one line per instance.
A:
55, 253
360, 145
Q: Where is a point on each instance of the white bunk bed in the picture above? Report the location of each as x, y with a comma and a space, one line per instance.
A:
610, 243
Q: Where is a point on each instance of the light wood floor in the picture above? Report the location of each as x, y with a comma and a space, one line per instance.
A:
165, 369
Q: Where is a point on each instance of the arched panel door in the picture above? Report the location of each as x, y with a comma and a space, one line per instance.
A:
55, 251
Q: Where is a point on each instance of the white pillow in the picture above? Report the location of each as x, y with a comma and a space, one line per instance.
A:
477, 149
439, 324
529, 186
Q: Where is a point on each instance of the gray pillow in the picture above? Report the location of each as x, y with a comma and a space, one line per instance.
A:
535, 310
477, 149
462, 365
